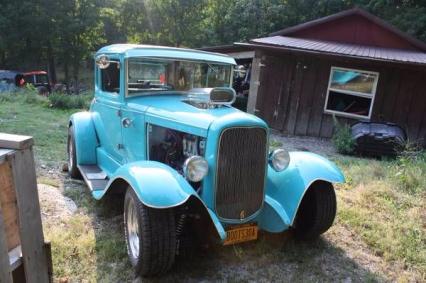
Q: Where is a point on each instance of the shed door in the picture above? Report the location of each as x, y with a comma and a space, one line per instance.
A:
286, 95
276, 81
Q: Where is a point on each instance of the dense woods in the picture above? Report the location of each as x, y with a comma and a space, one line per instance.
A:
52, 34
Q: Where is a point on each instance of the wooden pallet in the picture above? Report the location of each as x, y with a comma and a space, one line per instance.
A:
24, 256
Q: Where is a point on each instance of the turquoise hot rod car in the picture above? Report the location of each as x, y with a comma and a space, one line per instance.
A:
162, 132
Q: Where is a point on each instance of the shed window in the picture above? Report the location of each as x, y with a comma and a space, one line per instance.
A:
351, 92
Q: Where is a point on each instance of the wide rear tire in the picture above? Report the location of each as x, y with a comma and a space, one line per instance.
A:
316, 212
150, 236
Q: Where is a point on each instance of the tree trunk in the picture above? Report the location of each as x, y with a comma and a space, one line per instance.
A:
51, 63
67, 75
3, 59
76, 67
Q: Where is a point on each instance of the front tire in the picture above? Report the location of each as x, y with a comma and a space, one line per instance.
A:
150, 236
73, 170
316, 212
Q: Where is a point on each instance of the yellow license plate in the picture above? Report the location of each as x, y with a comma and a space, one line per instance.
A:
241, 234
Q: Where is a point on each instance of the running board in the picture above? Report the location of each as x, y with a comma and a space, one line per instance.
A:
95, 178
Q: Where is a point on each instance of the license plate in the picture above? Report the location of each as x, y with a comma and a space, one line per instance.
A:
240, 234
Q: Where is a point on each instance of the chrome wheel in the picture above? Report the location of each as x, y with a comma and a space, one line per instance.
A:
70, 153
132, 229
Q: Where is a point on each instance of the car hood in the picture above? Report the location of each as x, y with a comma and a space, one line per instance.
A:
172, 111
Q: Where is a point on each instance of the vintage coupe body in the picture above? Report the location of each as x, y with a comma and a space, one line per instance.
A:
162, 132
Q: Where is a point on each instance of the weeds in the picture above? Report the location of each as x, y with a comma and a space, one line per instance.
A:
65, 101
385, 204
274, 144
342, 138
410, 172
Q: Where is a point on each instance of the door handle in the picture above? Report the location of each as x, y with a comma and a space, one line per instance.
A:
126, 122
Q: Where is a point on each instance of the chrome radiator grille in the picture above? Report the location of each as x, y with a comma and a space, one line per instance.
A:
240, 172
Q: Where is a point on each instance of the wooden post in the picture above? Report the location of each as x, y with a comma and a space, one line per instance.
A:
25, 211
254, 83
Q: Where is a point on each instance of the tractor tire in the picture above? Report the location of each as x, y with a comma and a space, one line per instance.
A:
316, 212
150, 236
73, 170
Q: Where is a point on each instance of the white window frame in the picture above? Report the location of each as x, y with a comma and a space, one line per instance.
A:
372, 96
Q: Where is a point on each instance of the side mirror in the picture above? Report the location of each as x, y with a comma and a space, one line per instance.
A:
103, 61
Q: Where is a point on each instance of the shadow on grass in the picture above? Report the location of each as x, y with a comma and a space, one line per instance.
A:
273, 257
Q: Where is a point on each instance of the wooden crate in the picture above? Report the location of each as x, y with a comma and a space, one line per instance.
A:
24, 256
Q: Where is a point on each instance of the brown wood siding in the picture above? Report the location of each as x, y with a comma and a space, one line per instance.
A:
296, 86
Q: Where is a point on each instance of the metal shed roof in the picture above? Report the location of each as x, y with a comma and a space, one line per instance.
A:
346, 49
292, 31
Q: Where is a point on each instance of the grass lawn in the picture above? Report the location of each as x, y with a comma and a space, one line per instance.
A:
379, 233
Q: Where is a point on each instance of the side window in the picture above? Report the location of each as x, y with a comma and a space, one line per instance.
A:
110, 78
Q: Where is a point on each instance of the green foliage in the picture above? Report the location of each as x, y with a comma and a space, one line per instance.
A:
27, 95
36, 34
65, 101
274, 144
342, 138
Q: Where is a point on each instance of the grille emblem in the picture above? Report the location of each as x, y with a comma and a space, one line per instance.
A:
242, 214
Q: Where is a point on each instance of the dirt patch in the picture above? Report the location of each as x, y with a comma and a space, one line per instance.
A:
55, 207
311, 144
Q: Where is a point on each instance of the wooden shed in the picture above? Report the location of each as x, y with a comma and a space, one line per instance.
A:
352, 65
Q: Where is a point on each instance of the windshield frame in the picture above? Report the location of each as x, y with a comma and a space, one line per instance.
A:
156, 92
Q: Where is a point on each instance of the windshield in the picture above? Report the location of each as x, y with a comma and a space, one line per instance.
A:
154, 75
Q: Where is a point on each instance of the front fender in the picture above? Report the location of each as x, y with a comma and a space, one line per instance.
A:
159, 186
288, 187
85, 137
156, 184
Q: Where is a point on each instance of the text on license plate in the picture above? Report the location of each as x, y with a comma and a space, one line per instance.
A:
241, 234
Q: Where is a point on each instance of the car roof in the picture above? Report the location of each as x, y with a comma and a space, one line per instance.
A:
137, 50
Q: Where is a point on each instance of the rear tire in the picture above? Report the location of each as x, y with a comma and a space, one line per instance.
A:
150, 236
316, 212
73, 170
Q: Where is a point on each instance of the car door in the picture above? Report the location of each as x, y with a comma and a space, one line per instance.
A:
134, 133
107, 111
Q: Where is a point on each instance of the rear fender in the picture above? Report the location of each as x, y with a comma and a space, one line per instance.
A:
286, 189
86, 140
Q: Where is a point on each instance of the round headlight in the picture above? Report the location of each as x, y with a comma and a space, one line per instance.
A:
279, 159
195, 168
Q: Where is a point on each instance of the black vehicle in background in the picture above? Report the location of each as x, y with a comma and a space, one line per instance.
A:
40, 80
11, 80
